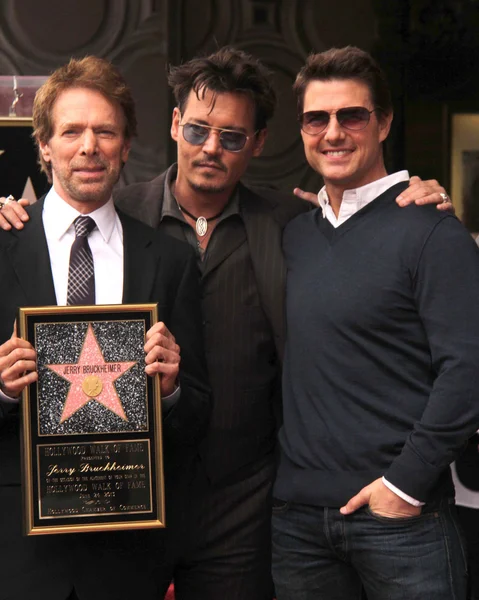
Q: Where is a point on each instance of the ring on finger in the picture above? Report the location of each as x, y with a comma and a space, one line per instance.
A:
7, 200
444, 197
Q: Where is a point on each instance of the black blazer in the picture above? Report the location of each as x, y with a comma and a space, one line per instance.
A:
158, 269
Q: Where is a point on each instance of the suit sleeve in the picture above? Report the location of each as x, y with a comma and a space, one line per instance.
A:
446, 286
185, 423
7, 318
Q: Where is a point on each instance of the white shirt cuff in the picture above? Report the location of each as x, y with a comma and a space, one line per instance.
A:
8, 399
169, 401
401, 494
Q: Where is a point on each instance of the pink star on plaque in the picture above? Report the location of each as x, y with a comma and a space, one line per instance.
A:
91, 378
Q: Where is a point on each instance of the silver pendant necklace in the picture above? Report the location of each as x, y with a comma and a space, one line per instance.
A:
201, 224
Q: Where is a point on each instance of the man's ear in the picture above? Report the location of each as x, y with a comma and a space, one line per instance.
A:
125, 151
175, 123
259, 141
385, 120
45, 151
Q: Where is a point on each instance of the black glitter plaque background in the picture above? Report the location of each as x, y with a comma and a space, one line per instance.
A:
61, 343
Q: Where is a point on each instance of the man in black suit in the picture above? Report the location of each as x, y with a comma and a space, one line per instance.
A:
84, 119
223, 104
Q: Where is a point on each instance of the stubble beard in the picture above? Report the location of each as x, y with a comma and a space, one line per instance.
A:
206, 188
94, 192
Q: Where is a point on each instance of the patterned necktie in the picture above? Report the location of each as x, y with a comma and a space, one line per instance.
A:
81, 275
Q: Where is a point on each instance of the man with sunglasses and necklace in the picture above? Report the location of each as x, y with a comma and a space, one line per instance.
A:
218, 129
381, 362
224, 102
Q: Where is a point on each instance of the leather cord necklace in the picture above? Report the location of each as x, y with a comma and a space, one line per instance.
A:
201, 225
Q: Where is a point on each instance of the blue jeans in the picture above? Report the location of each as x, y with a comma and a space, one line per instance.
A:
319, 554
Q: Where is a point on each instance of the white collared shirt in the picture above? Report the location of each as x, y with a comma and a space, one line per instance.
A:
354, 200
106, 243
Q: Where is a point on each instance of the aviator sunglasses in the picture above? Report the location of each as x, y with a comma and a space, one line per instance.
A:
233, 141
353, 118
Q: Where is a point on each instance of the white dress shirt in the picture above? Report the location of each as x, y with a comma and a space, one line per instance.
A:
105, 241
352, 201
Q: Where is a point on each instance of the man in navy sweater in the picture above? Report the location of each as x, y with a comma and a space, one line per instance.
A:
381, 365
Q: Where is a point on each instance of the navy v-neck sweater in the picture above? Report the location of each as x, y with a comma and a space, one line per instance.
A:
381, 373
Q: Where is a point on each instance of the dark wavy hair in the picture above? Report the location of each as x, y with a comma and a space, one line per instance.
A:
227, 70
345, 63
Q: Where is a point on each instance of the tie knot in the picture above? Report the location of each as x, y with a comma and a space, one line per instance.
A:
83, 226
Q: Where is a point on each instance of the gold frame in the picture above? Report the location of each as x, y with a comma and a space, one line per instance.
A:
27, 317
16, 122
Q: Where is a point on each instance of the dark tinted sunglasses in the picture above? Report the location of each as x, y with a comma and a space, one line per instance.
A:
233, 141
353, 118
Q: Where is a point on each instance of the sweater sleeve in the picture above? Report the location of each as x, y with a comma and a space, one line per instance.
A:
446, 291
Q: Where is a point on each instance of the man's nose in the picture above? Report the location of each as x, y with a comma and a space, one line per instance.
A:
212, 144
334, 131
89, 142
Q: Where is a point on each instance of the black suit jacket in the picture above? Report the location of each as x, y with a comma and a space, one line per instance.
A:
241, 420
158, 269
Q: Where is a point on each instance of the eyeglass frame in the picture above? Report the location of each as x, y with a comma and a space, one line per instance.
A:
220, 129
335, 112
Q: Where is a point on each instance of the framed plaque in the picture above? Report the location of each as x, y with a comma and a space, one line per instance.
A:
91, 425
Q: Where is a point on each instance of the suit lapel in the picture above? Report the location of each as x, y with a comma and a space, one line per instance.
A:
148, 206
140, 263
264, 239
226, 241
31, 261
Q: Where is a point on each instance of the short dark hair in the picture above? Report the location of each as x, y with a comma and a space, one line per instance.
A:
90, 72
345, 63
227, 70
